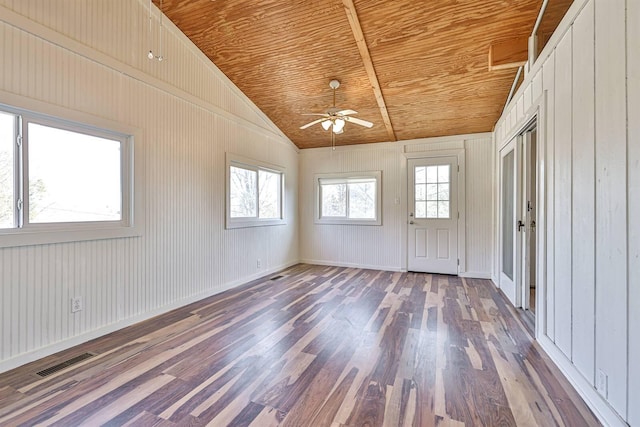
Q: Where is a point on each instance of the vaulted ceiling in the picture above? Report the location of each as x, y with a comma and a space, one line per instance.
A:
427, 65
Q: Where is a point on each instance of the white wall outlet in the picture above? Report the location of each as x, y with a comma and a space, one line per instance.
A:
76, 304
259, 263
602, 383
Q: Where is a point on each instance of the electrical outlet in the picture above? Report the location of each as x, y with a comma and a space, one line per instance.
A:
602, 384
76, 304
259, 263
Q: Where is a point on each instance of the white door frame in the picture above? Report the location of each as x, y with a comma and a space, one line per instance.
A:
537, 113
460, 154
526, 235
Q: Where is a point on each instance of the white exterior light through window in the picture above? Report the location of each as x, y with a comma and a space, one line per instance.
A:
349, 198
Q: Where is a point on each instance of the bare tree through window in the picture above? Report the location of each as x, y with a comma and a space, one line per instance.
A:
255, 193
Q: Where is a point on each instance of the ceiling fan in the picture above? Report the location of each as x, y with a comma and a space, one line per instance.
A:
334, 118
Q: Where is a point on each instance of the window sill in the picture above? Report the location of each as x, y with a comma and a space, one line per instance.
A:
232, 224
321, 221
21, 237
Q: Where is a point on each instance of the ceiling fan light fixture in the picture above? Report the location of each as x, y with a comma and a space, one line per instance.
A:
338, 125
326, 124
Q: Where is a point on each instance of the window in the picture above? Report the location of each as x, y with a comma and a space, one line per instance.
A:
62, 181
432, 191
254, 193
348, 198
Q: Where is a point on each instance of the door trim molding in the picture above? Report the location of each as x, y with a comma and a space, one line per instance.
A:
459, 153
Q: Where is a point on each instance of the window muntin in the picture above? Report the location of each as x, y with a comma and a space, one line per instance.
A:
431, 189
254, 193
349, 199
62, 181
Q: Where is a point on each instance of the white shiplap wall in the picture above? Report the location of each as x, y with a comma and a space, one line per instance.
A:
90, 56
384, 247
590, 75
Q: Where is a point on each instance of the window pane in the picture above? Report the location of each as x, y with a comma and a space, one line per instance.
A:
421, 191
243, 196
432, 209
432, 191
334, 200
443, 173
269, 194
421, 209
443, 209
443, 192
362, 200
432, 174
508, 215
73, 177
7, 171
421, 175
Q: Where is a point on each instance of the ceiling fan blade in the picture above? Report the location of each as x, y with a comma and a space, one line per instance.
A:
346, 112
315, 114
358, 121
312, 123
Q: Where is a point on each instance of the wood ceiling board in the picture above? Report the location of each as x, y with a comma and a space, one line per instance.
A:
430, 58
283, 55
426, 49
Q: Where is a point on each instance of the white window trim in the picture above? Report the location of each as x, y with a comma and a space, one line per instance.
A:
256, 165
319, 219
132, 166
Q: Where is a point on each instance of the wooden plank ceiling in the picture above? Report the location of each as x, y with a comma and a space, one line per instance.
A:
429, 57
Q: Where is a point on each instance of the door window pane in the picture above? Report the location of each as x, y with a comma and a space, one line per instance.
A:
73, 177
437, 192
7, 170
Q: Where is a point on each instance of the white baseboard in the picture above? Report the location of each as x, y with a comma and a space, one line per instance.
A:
351, 265
23, 359
475, 275
602, 410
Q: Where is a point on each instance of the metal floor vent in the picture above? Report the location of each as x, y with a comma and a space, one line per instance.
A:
64, 365
277, 277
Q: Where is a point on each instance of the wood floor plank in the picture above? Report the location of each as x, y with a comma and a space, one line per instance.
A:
316, 346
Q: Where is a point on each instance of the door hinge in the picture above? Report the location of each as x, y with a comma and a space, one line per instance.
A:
458, 168
458, 261
458, 215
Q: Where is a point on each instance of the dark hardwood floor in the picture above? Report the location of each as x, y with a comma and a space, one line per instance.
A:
320, 346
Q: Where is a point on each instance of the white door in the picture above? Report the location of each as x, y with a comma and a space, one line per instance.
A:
509, 224
433, 215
